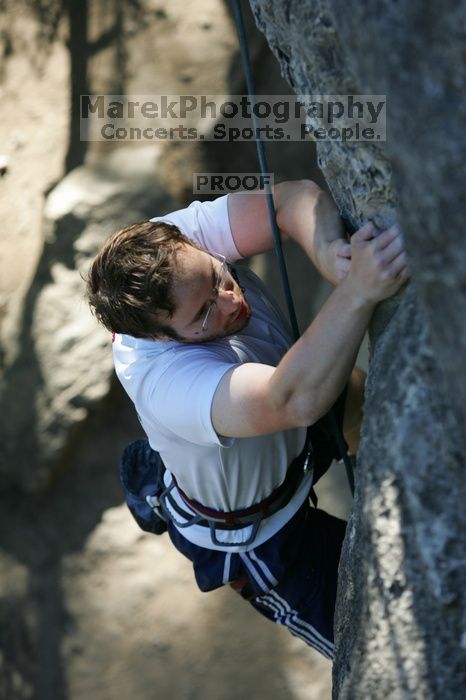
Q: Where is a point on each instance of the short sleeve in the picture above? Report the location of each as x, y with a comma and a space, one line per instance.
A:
208, 224
181, 399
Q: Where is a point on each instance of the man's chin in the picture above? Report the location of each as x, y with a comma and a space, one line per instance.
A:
242, 321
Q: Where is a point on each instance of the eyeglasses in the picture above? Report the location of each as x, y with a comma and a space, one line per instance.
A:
222, 278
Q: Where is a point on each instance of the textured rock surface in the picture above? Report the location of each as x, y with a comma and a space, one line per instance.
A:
57, 359
401, 614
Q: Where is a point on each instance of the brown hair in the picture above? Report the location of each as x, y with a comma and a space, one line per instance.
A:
130, 280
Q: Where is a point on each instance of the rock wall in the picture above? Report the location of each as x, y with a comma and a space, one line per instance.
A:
401, 613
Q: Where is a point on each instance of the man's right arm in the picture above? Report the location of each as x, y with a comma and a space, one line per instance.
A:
255, 399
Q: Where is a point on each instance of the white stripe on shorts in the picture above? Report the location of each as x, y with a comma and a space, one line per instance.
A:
264, 567
312, 629
226, 568
288, 617
253, 571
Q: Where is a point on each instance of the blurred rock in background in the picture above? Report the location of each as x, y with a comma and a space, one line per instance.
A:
89, 606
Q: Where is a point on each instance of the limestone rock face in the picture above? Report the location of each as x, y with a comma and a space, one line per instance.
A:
57, 359
401, 613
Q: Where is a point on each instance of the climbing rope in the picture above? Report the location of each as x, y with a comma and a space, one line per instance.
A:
264, 168
240, 29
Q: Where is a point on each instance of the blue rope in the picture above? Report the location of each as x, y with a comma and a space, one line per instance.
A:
238, 17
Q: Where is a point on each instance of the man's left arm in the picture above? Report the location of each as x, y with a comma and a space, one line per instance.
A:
305, 213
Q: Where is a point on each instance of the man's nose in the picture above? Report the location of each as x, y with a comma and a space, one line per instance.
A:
227, 301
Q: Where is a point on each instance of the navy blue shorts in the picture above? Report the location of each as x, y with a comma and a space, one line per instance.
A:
292, 578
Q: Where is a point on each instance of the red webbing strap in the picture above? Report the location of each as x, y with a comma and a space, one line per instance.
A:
293, 478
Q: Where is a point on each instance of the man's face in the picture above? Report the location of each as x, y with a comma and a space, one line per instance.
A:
200, 283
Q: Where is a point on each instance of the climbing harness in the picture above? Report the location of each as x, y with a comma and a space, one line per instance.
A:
330, 416
245, 517
153, 504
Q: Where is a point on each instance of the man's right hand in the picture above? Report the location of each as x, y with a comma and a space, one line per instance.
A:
378, 264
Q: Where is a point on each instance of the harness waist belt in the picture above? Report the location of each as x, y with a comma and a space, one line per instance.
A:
234, 520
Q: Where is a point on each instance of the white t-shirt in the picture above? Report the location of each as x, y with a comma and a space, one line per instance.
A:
172, 385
